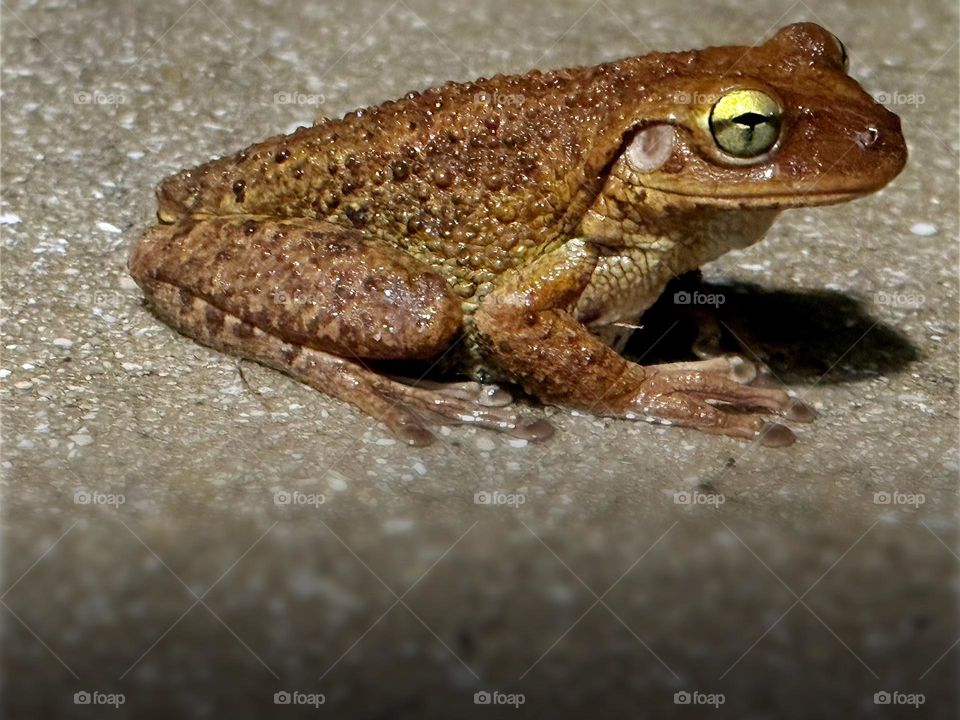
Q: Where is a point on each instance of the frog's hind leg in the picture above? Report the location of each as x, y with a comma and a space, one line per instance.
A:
200, 291
408, 411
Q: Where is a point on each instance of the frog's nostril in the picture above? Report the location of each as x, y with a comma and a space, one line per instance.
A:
867, 138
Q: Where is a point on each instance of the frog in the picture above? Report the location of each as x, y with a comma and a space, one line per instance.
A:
507, 229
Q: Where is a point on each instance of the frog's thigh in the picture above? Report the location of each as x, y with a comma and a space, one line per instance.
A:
198, 278
308, 282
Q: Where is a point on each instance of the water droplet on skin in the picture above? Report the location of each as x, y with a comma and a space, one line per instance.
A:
868, 137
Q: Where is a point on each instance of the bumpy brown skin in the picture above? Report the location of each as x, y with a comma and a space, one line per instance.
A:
338, 315
480, 187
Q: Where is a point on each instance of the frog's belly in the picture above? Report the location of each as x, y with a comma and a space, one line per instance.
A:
624, 285
621, 289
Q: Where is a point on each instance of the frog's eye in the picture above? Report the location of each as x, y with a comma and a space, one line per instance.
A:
745, 123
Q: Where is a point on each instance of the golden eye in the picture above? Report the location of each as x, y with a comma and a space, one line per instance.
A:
745, 123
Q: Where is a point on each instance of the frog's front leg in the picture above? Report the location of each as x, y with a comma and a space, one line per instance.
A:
527, 328
316, 300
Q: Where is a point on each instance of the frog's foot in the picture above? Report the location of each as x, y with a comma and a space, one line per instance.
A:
703, 395
414, 409
408, 411
487, 395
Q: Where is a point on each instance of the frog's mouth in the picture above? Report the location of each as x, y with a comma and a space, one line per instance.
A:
784, 200
758, 188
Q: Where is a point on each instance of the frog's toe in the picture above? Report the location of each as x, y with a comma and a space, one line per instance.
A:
741, 369
800, 412
534, 430
493, 396
688, 410
736, 381
734, 367
485, 395
468, 403
776, 435
685, 394
407, 428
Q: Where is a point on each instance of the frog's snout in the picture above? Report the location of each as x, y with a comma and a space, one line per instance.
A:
879, 148
893, 145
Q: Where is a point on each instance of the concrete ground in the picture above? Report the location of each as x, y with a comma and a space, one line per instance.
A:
192, 535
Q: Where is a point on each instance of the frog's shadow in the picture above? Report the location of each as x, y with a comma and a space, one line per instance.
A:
804, 336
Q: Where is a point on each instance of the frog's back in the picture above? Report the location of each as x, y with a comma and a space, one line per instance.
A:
471, 177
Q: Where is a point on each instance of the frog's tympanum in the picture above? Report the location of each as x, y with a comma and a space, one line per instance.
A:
506, 227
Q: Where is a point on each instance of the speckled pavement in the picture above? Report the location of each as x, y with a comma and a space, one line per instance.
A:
187, 536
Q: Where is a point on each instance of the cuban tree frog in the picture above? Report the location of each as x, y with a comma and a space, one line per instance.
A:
503, 227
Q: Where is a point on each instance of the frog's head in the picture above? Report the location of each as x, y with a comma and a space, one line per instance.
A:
776, 125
